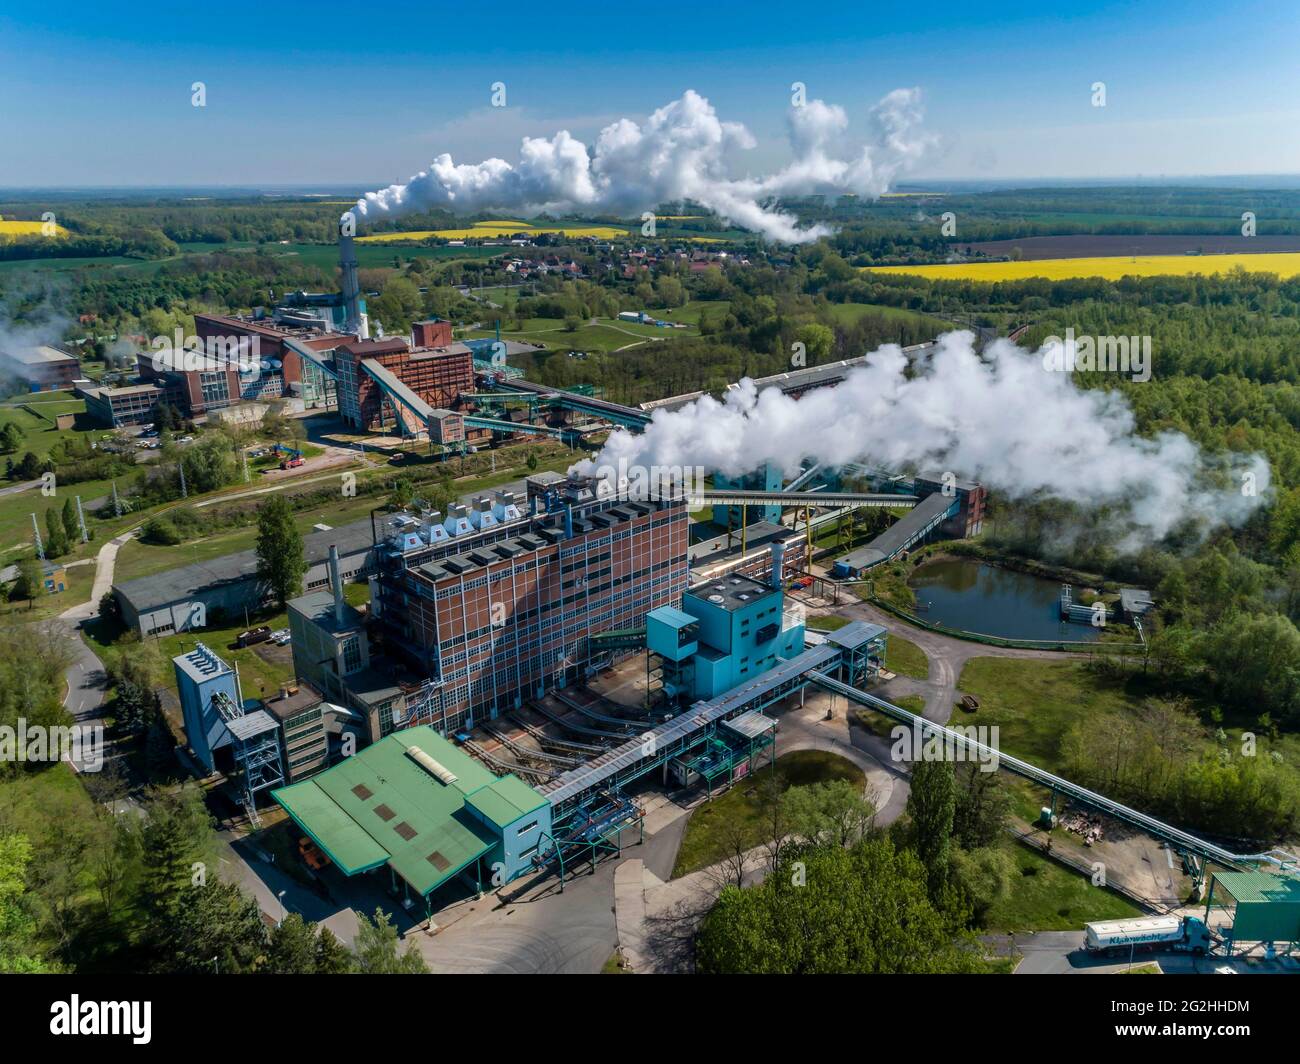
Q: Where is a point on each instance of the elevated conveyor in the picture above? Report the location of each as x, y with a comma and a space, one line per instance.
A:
624, 416
826, 499
905, 533
959, 740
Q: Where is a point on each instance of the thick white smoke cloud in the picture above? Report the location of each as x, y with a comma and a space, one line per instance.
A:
1002, 419
678, 154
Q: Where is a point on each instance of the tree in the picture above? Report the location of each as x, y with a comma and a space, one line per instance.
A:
818, 341
827, 910
835, 812
1256, 663
210, 464
981, 807
332, 957
29, 582
931, 803
18, 951
377, 952
71, 526
983, 876
175, 836
213, 928
281, 562
11, 438
56, 542
293, 947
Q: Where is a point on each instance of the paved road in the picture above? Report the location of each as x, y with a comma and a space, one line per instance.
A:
16, 488
86, 679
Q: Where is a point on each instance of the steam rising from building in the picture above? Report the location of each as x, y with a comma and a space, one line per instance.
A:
1001, 419
679, 153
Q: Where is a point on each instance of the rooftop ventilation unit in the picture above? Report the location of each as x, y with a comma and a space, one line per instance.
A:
434, 768
457, 523
481, 516
507, 506
434, 530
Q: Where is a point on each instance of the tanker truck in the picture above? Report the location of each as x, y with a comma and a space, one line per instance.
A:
1182, 934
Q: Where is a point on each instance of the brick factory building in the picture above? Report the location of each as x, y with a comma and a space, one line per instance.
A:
42, 368
495, 605
431, 364
278, 371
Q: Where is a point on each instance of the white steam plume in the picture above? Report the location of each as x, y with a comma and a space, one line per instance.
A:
1002, 419
678, 154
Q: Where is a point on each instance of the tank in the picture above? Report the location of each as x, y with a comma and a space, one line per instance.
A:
1141, 931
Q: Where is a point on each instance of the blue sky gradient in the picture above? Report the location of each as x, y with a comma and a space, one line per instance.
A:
99, 93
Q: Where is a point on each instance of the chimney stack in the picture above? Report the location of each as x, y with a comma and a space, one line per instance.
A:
336, 584
778, 560
351, 285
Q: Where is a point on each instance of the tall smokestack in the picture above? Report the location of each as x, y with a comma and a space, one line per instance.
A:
336, 584
351, 286
778, 557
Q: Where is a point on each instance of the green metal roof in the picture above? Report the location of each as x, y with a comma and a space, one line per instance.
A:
1268, 906
506, 800
673, 617
381, 806
1254, 887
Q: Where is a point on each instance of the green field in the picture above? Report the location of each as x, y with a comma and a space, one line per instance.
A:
850, 313
704, 843
1049, 897
608, 334
906, 658
716, 309
259, 673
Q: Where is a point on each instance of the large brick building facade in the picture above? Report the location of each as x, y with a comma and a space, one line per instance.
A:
437, 369
500, 615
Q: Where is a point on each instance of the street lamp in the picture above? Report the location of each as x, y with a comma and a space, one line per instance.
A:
282, 909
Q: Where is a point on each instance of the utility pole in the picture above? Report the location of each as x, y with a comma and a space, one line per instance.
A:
246, 475
184, 491
81, 520
117, 503
40, 547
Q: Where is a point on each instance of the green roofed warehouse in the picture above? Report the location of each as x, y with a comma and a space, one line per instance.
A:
426, 809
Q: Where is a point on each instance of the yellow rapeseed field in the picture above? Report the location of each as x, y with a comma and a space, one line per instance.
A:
15, 228
493, 230
1111, 268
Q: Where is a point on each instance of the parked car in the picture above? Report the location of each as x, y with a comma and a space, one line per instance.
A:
280, 636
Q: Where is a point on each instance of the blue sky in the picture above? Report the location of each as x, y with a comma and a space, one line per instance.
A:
99, 93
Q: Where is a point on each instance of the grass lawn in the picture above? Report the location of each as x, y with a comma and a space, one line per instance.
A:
1033, 703
906, 658
27, 798
138, 559
608, 334
613, 967
882, 726
704, 843
691, 312
849, 313
80, 581
257, 674
1048, 897
826, 623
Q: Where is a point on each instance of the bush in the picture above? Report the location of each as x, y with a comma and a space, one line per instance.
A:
161, 532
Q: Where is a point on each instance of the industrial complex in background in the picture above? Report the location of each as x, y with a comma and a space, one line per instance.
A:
457, 733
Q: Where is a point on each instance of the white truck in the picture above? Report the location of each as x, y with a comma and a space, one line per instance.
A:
1183, 934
